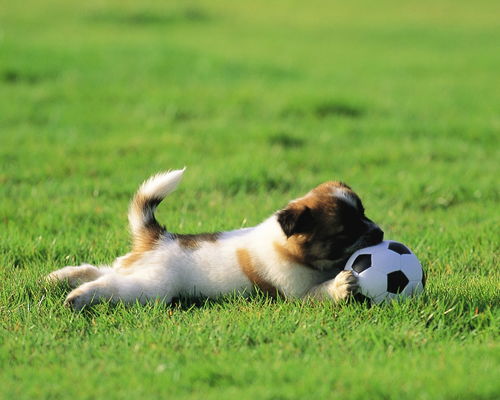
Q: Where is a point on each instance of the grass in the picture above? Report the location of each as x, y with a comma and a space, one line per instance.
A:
261, 101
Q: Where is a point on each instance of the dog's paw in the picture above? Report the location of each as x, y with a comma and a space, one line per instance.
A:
53, 278
344, 285
85, 295
77, 299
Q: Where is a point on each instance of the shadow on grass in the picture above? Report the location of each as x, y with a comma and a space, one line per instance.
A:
286, 141
254, 184
325, 109
15, 75
149, 17
337, 108
233, 301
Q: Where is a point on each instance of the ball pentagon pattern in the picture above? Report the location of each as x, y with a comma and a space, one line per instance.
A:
362, 262
396, 282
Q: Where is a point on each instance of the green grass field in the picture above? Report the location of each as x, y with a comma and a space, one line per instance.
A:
261, 101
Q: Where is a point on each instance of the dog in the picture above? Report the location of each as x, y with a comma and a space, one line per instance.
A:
298, 252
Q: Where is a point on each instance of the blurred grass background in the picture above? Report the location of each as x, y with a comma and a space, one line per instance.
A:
261, 101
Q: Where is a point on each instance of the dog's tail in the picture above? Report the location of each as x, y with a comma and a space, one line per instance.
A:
145, 228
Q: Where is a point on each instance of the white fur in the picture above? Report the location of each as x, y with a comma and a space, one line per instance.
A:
212, 269
162, 184
344, 194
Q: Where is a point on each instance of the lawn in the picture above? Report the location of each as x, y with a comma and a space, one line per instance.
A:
261, 101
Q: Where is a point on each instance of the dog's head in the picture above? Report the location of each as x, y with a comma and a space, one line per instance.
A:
326, 226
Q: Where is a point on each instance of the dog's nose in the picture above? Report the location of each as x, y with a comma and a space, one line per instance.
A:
376, 235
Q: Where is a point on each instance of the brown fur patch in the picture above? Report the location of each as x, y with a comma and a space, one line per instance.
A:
320, 197
147, 238
291, 252
130, 259
193, 241
248, 267
144, 241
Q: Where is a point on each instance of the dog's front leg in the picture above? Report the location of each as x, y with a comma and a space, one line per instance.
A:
344, 285
116, 287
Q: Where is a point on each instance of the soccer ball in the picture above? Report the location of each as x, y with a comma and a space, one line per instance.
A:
386, 271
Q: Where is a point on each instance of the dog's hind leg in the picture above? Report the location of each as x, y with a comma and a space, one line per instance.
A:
116, 287
75, 276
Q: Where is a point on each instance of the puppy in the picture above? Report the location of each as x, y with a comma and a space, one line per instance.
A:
298, 251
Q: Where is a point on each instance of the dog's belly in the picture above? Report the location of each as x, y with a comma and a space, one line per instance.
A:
209, 270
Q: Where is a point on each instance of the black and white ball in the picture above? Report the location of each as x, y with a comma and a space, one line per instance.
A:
387, 271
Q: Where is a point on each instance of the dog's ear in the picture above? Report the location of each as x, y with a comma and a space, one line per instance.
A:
296, 220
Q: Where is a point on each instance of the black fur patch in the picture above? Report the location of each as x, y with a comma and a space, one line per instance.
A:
295, 220
193, 241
